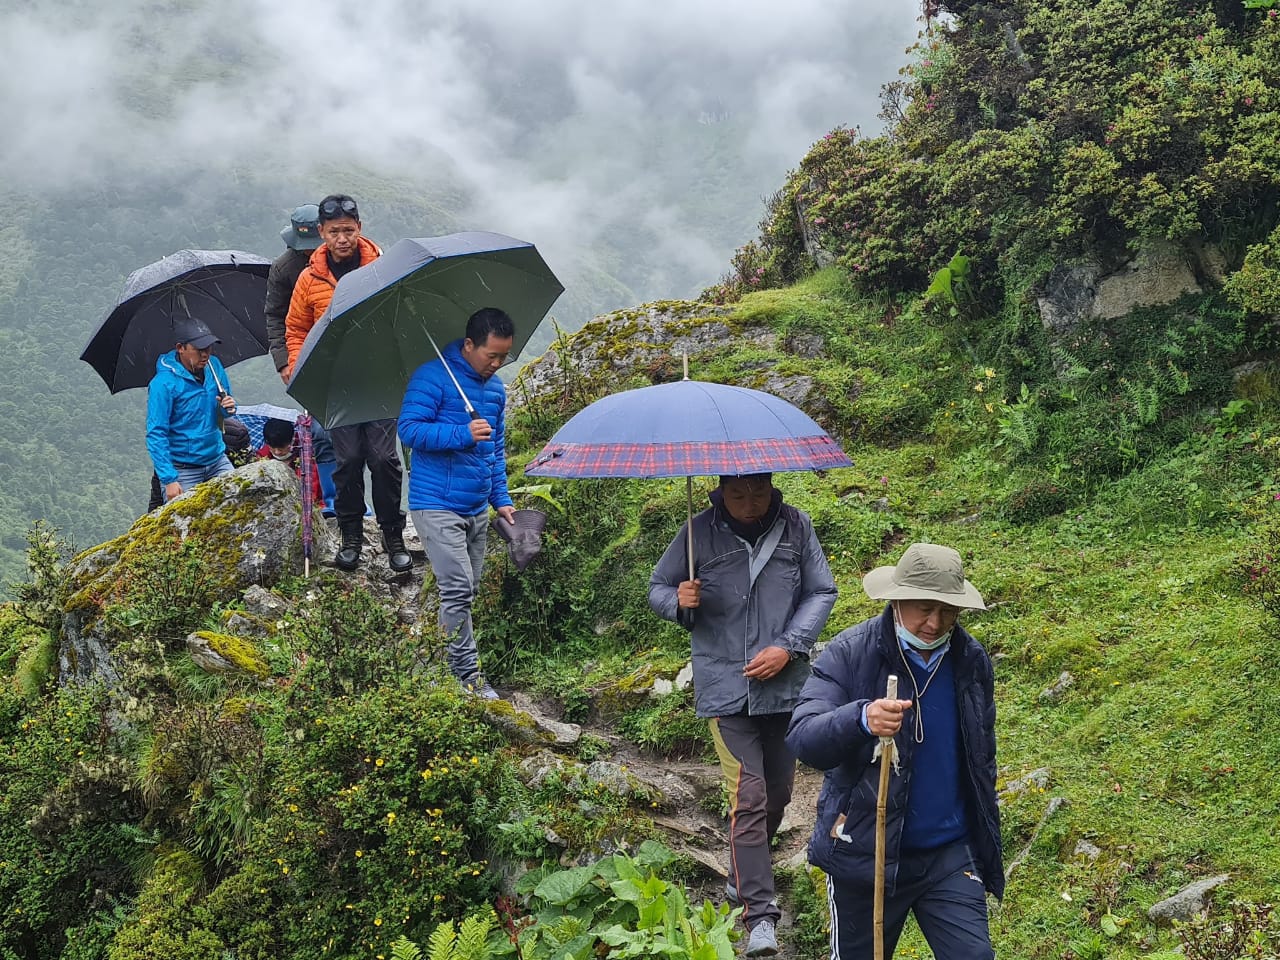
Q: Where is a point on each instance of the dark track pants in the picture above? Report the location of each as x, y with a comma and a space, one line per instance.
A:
942, 887
354, 446
759, 771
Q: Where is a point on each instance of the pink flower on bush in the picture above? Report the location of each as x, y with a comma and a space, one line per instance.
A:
1248, 101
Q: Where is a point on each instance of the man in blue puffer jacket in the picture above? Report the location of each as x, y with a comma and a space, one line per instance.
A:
187, 400
459, 471
942, 833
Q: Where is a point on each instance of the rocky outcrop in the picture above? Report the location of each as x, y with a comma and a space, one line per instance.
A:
224, 536
1160, 273
646, 345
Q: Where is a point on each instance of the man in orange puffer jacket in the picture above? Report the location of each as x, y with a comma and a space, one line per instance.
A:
354, 446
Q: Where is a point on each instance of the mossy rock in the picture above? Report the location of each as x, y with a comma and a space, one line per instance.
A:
226, 653
162, 576
610, 701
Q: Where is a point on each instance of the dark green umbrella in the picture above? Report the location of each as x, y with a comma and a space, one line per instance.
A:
386, 318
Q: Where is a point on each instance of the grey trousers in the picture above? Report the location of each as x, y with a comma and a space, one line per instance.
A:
759, 770
455, 548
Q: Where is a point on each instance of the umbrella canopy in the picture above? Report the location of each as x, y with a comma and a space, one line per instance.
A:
357, 359
687, 428
255, 416
224, 288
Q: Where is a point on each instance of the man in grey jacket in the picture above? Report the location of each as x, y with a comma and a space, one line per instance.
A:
760, 596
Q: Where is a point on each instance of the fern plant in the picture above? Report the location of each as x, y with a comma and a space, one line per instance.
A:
451, 942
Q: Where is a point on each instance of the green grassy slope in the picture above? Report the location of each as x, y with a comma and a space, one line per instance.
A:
1166, 742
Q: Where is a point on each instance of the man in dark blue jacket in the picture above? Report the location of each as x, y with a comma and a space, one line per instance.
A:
459, 471
942, 826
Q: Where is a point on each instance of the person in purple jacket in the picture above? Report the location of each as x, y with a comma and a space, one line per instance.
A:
459, 472
942, 830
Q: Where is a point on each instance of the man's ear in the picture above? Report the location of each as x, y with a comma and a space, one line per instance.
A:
467, 345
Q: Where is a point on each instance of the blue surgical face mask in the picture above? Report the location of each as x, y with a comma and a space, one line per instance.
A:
909, 638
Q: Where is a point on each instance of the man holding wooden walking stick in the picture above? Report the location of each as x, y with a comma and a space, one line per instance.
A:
932, 754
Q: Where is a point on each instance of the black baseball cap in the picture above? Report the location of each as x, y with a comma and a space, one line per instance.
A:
195, 332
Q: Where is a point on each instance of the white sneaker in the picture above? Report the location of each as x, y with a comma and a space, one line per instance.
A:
762, 941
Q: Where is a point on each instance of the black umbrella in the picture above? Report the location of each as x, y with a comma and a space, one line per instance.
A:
224, 288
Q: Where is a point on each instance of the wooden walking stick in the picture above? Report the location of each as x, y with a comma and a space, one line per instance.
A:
888, 754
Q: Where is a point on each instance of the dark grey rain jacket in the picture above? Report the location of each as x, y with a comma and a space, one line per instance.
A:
281, 278
785, 605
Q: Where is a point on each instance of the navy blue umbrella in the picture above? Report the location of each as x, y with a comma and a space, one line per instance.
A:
387, 317
687, 428
224, 288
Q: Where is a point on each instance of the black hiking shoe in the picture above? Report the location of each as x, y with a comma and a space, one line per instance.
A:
397, 554
348, 555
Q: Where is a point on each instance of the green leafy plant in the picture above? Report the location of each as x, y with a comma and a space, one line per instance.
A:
621, 902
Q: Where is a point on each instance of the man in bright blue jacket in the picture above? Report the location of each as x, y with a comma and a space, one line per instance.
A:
454, 422
942, 828
187, 400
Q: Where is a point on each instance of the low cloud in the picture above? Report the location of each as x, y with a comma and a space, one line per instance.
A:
560, 121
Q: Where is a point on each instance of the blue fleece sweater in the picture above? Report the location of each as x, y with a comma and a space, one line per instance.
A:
935, 813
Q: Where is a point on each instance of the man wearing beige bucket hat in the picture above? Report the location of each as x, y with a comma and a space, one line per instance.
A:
942, 826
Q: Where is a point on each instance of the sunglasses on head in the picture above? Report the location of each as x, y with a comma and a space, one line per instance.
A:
338, 208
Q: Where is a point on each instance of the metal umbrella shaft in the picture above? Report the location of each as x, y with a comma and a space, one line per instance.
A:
447, 369
886, 751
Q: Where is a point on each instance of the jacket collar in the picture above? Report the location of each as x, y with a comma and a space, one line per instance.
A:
458, 363
169, 362
319, 261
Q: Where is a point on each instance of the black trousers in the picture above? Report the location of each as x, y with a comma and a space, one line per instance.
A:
942, 887
371, 444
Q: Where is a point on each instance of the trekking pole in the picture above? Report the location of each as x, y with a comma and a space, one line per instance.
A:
887, 752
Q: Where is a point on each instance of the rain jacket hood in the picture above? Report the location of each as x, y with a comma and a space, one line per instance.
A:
785, 604
450, 471
184, 419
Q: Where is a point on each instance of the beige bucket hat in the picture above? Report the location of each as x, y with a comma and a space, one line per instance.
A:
927, 571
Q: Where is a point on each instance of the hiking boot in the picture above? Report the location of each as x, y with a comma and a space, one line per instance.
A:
762, 941
348, 555
397, 555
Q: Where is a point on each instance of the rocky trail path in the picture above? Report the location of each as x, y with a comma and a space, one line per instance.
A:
689, 792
